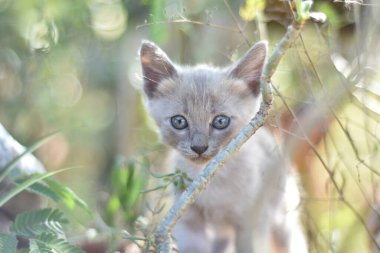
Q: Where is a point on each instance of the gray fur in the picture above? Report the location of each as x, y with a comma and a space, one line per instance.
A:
246, 195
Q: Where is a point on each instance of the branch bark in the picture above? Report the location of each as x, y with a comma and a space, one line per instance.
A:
163, 232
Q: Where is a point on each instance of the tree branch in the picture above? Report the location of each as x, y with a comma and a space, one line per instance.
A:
164, 228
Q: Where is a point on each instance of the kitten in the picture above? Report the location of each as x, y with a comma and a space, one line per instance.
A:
198, 111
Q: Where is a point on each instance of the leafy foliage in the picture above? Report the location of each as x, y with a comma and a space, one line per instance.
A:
127, 181
8, 243
47, 243
25, 184
250, 9
179, 179
12, 164
36, 222
43, 228
58, 192
51, 81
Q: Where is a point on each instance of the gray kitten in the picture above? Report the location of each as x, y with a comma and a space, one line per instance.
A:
198, 111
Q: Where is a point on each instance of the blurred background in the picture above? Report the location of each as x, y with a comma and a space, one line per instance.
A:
73, 66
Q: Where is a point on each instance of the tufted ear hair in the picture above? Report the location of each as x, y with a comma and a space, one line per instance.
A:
156, 66
250, 66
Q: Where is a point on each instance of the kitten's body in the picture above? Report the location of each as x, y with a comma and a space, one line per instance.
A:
244, 195
198, 110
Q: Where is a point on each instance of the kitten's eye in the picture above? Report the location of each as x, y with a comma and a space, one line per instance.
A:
179, 122
221, 122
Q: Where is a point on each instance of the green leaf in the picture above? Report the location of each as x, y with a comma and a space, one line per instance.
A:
42, 189
134, 191
34, 223
133, 186
250, 9
331, 14
57, 192
28, 182
113, 205
24, 250
303, 9
8, 243
48, 243
159, 32
36, 247
306, 7
65, 194
119, 177
11, 165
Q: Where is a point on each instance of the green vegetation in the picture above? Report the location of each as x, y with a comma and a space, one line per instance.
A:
73, 65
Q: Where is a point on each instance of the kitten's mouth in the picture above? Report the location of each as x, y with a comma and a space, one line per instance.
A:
200, 159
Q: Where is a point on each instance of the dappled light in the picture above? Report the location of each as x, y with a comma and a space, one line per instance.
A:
108, 19
73, 67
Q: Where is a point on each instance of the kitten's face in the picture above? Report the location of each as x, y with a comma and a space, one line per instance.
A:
199, 109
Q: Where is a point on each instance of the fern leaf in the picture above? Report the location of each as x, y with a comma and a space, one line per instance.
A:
36, 247
47, 243
36, 222
8, 243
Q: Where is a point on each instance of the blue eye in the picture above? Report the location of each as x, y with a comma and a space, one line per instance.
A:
221, 122
178, 122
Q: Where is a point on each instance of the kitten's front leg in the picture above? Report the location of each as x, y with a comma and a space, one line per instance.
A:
244, 237
190, 233
252, 238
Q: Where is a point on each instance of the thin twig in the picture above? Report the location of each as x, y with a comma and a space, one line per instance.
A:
237, 23
327, 169
355, 2
345, 131
194, 22
304, 135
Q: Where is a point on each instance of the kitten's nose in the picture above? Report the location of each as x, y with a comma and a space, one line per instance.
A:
199, 149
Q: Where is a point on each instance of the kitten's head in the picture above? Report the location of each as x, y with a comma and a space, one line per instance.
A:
199, 109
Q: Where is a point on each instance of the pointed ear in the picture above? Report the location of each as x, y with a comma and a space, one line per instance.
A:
156, 66
250, 66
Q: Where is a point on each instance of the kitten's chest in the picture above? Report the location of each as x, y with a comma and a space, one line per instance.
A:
223, 200
231, 192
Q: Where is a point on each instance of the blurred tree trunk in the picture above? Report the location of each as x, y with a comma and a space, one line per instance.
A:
9, 150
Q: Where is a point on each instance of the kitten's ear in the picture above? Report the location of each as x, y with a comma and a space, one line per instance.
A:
250, 66
156, 66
